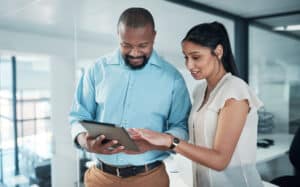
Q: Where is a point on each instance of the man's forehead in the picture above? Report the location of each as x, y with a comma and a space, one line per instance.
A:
123, 27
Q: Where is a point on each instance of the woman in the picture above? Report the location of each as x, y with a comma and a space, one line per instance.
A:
223, 120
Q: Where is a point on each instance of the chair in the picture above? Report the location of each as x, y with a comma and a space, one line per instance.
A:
294, 156
42, 175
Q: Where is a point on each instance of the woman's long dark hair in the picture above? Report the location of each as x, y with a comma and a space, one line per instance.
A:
210, 35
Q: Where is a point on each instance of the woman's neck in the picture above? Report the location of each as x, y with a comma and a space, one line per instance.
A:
213, 80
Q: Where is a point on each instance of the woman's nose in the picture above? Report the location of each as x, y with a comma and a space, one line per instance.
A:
189, 64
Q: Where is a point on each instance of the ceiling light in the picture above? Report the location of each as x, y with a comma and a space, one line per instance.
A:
293, 28
287, 28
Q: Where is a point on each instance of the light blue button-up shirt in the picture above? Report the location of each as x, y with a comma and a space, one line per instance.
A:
154, 97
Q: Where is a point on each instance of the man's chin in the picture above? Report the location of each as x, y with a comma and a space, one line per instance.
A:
135, 64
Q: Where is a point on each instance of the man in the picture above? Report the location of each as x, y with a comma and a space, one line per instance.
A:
133, 88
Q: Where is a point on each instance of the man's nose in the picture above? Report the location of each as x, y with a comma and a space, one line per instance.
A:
134, 52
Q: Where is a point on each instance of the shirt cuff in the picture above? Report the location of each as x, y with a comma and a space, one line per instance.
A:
76, 129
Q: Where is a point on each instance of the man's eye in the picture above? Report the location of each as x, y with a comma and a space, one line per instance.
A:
143, 46
125, 46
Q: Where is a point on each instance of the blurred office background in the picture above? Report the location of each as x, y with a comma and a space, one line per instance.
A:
45, 45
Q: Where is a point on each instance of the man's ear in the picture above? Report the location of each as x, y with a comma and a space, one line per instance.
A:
219, 51
154, 34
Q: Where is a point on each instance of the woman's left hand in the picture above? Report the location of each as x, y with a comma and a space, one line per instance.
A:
154, 138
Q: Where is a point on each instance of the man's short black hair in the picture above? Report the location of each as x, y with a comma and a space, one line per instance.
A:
136, 17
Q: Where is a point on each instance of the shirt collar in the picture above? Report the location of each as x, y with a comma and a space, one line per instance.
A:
116, 58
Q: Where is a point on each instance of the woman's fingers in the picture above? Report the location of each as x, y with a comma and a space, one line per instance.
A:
134, 134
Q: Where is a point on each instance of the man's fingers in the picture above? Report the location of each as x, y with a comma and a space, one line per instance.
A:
110, 144
113, 150
131, 152
99, 140
117, 149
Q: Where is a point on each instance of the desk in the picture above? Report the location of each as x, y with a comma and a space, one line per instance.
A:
281, 146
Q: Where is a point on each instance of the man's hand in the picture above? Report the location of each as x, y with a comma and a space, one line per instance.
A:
96, 145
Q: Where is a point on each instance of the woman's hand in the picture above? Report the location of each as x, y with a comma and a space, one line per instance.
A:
154, 138
143, 146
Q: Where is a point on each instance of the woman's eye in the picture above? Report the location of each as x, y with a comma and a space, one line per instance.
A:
195, 58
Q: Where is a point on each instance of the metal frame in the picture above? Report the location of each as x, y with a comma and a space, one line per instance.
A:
1, 152
241, 47
15, 122
280, 14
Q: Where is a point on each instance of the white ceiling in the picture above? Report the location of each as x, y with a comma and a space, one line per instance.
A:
93, 24
95, 20
43, 15
257, 8
253, 8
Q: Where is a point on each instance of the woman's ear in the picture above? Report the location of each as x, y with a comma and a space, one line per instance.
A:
219, 51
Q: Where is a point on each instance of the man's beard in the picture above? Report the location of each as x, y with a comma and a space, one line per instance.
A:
127, 59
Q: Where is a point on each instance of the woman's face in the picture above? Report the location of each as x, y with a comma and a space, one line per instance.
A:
199, 60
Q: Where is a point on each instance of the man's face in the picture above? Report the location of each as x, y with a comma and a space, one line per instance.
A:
136, 44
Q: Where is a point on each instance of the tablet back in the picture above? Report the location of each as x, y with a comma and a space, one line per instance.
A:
111, 132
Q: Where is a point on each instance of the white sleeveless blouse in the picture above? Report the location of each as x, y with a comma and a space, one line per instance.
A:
241, 171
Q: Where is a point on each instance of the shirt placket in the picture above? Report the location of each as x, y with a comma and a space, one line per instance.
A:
127, 103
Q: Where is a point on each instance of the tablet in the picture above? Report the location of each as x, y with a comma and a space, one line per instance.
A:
111, 132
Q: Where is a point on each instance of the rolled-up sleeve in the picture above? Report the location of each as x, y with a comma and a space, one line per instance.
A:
180, 109
84, 104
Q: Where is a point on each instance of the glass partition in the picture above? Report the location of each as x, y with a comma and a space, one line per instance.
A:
274, 73
32, 143
6, 126
28, 33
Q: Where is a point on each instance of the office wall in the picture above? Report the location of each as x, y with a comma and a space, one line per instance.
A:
274, 66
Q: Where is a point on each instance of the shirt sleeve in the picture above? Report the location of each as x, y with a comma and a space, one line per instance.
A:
180, 109
235, 89
84, 104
